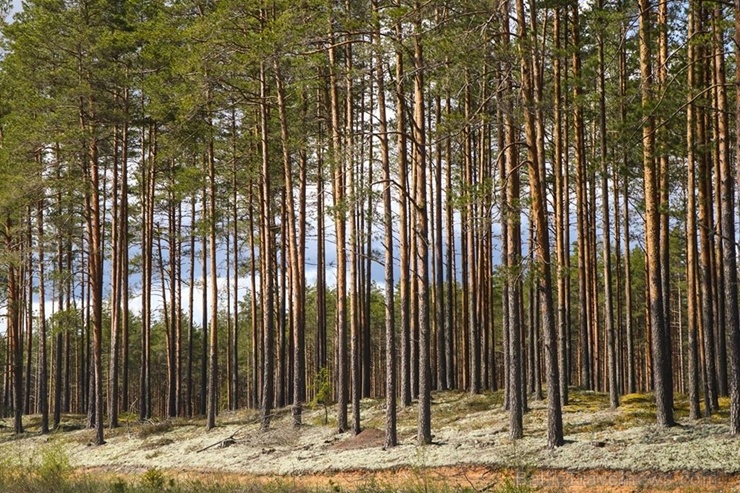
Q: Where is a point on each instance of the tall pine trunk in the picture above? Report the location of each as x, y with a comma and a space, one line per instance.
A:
660, 340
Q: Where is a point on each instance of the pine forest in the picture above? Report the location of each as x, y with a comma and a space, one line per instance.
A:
213, 205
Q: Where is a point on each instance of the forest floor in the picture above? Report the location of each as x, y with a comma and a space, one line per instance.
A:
606, 450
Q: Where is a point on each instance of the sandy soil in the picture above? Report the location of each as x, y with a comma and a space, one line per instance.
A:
621, 449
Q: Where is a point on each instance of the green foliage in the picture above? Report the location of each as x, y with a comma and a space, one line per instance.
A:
54, 467
66, 321
154, 479
323, 387
323, 392
118, 486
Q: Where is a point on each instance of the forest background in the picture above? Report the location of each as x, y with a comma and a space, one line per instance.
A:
548, 188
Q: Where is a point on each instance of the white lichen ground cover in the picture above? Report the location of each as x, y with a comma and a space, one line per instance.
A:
467, 431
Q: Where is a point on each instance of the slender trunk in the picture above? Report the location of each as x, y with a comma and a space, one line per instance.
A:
580, 156
95, 273
176, 279
60, 287
296, 273
173, 373
403, 240
189, 394
266, 254
391, 438
513, 255
116, 267
43, 397
561, 211
705, 227
13, 324
692, 247
351, 217
27, 317
340, 203
234, 381
542, 247
660, 340
256, 332
663, 178
471, 286
439, 288
606, 227
119, 244
631, 384
321, 342
203, 398
421, 234
212, 405
148, 175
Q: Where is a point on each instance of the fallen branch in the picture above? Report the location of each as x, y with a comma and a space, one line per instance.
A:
230, 440
226, 442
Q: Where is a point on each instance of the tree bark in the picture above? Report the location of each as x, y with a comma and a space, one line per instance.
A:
660, 340
421, 235
266, 255
692, 246
212, 405
340, 204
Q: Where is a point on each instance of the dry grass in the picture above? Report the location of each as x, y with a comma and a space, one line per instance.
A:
153, 428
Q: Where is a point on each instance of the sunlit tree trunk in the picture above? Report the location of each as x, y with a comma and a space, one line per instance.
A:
660, 340
212, 405
391, 438
580, 157
421, 234
340, 202
296, 271
606, 230
705, 223
561, 211
189, 394
147, 234
267, 261
542, 243
692, 247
